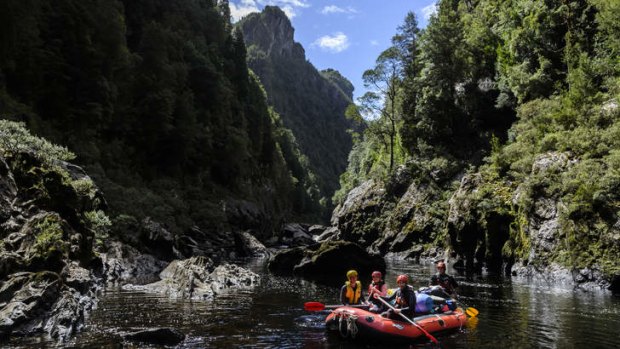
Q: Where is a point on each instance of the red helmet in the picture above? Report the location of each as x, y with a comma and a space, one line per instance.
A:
376, 273
402, 278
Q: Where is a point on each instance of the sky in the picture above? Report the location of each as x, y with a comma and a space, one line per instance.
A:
346, 35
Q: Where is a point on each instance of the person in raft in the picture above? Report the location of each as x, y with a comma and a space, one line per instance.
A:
405, 300
444, 280
377, 286
351, 291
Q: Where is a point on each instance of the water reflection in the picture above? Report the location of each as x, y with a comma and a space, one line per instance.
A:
513, 314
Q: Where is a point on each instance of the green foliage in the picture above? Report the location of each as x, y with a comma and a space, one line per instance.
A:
155, 98
84, 187
100, 224
523, 94
50, 236
15, 138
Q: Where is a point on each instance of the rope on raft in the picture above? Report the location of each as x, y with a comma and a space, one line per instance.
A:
350, 328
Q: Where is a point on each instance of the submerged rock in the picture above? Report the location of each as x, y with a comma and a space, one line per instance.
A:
161, 336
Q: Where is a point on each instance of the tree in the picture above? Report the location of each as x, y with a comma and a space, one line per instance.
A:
380, 103
406, 40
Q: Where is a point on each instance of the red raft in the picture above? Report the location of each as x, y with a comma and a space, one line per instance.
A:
356, 323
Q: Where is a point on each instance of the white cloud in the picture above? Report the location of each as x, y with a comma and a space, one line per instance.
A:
335, 9
244, 8
429, 10
241, 8
374, 43
335, 43
284, 3
289, 10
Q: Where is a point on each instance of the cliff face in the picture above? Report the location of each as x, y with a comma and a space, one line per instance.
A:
311, 105
272, 33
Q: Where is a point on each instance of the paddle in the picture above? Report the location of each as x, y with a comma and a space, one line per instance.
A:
472, 312
317, 306
430, 336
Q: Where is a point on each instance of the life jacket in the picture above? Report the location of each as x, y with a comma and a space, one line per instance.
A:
354, 295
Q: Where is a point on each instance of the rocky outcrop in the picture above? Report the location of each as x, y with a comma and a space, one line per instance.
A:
197, 278
390, 218
272, 33
48, 271
360, 217
327, 262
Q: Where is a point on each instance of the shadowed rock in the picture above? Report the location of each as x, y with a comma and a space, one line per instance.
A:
161, 336
328, 262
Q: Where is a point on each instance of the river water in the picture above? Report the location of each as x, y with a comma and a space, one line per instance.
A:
513, 314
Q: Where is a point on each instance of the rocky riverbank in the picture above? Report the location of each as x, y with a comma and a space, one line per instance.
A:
57, 250
477, 224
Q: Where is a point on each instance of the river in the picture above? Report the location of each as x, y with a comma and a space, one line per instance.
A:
513, 314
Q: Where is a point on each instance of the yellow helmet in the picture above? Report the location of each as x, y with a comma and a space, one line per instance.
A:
351, 273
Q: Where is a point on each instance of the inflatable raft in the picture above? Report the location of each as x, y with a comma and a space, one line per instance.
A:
357, 323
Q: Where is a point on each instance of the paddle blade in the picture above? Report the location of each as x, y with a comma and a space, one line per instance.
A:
314, 306
473, 312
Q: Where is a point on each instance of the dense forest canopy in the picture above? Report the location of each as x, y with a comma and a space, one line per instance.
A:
493, 89
156, 100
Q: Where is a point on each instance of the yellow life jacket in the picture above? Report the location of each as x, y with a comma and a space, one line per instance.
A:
354, 295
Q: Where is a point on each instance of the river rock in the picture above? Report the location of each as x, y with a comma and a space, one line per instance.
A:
295, 234
147, 236
197, 278
283, 262
328, 262
124, 264
330, 234
316, 230
249, 246
158, 336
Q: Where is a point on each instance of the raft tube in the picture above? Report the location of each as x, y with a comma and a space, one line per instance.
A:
360, 324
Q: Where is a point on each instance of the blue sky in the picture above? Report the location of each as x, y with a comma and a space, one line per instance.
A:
344, 35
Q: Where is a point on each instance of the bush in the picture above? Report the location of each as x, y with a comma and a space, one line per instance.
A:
15, 138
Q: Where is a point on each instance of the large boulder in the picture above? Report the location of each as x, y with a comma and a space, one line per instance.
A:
124, 264
197, 278
40, 302
249, 246
283, 262
328, 262
295, 234
217, 245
